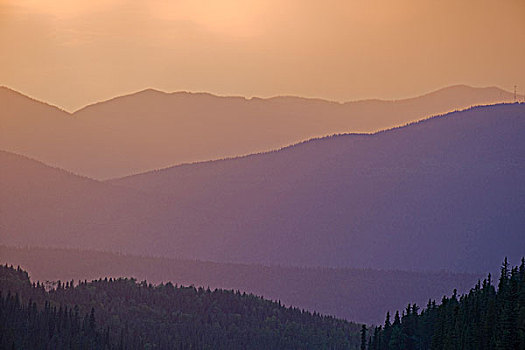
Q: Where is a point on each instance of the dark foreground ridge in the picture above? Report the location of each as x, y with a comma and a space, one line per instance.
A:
126, 314
122, 313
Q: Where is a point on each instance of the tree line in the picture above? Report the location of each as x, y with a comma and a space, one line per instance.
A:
126, 314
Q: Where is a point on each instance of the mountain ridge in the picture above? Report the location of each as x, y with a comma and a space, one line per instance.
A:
434, 92
343, 157
452, 89
316, 139
434, 195
5, 90
150, 129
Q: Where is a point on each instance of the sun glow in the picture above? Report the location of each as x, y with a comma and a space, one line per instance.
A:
231, 17
335, 49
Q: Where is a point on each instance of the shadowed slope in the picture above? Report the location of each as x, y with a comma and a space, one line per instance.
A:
152, 129
443, 193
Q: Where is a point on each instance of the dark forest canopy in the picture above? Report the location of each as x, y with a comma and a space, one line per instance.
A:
486, 318
124, 313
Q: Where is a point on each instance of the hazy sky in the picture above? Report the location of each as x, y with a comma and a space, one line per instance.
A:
74, 52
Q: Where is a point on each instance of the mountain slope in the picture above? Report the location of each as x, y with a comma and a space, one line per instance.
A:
445, 193
151, 129
126, 314
360, 295
46, 206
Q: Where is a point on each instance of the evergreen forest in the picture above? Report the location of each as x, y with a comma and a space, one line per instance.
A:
126, 314
490, 317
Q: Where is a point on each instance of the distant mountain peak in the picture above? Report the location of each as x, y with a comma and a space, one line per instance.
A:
151, 91
463, 88
152, 129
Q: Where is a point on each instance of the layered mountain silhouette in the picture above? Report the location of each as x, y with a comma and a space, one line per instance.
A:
361, 295
47, 206
152, 129
445, 193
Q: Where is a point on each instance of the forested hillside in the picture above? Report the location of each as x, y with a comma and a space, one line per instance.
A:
126, 314
336, 292
486, 318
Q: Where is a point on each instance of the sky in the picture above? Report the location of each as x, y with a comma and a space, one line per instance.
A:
74, 52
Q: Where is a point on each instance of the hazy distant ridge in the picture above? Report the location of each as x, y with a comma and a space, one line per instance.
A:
152, 129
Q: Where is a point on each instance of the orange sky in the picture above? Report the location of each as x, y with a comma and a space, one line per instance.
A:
71, 53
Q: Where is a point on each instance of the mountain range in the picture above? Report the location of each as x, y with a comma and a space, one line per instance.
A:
153, 129
443, 193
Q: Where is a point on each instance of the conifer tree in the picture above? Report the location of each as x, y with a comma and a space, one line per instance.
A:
486, 318
363, 337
